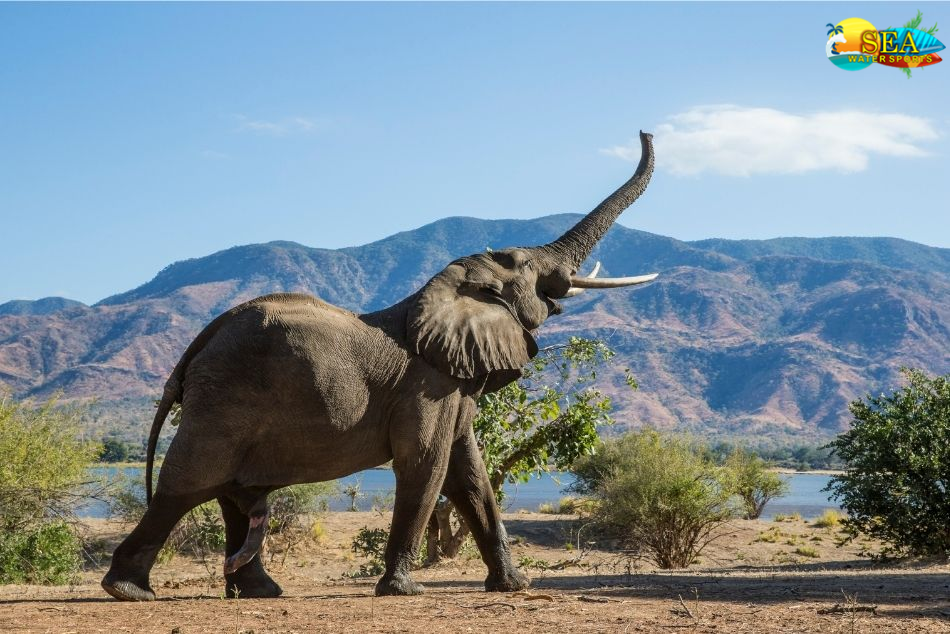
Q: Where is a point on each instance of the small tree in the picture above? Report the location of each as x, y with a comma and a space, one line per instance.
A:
545, 421
113, 450
747, 476
43, 473
657, 495
354, 491
896, 486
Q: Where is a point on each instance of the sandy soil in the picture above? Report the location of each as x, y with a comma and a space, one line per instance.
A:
750, 581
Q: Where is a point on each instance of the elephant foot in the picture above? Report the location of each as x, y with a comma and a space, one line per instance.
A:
251, 586
125, 589
509, 581
398, 585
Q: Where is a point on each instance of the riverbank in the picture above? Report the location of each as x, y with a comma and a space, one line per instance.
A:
754, 579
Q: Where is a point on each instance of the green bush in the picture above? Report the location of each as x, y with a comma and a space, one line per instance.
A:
202, 529
114, 450
657, 494
371, 543
748, 478
43, 475
895, 487
43, 462
45, 554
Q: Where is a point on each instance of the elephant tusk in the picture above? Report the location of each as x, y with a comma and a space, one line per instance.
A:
571, 292
610, 282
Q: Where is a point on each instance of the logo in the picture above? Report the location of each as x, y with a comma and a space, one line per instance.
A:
855, 44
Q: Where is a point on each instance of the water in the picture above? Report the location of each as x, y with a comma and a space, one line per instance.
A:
805, 496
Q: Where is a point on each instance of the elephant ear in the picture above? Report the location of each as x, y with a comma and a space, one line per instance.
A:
462, 327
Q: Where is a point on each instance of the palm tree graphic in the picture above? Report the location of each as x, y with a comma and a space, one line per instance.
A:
835, 30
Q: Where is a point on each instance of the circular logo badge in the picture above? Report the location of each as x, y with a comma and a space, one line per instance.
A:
844, 44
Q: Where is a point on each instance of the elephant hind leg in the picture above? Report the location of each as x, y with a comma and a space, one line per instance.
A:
128, 576
248, 578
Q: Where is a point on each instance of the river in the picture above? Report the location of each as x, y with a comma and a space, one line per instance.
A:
805, 492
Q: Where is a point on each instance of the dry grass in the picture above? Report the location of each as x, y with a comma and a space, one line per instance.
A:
829, 519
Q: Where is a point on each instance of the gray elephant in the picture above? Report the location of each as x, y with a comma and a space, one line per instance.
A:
287, 389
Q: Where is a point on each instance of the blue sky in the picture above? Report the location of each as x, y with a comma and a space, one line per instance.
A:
132, 136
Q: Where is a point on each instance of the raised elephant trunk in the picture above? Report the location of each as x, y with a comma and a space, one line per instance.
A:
576, 245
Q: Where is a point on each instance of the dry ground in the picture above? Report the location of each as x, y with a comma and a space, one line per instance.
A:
744, 583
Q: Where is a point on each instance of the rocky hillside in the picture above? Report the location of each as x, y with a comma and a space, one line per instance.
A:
771, 338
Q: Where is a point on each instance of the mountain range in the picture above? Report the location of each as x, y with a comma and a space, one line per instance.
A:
738, 338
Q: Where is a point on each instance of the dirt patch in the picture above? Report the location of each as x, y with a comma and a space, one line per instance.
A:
755, 579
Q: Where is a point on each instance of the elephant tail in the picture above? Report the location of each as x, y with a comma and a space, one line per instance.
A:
175, 389
171, 395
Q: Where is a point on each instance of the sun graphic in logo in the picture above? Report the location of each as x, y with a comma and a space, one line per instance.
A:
843, 47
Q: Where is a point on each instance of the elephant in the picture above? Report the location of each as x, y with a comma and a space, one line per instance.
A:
287, 389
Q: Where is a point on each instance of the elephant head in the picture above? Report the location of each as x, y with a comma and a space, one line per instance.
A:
476, 316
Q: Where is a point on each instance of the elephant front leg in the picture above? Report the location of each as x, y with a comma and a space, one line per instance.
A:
417, 488
467, 486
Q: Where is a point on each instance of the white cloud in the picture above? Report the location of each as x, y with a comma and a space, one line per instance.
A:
738, 141
280, 127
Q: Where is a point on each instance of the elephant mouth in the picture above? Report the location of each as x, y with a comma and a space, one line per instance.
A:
554, 306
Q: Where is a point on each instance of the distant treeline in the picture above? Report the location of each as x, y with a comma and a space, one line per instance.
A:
801, 457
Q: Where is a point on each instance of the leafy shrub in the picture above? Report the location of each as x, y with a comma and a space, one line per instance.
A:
202, 529
897, 453
43, 463
748, 478
43, 475
657, 494
371, 543
113, 450
44, 554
